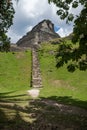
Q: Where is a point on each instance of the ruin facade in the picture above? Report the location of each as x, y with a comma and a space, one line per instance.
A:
44, 31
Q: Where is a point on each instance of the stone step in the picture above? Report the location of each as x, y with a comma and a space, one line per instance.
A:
36, 75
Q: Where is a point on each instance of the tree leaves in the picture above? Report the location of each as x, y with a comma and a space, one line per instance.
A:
75, 4
73, 57
70, 17
6, 18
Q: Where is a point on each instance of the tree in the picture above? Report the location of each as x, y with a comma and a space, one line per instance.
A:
5, 45
6, 18
74, 57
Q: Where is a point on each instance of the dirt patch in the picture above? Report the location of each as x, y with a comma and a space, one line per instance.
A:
59, 83
65, 108
62, 83
34, 93
51, 115
20, 55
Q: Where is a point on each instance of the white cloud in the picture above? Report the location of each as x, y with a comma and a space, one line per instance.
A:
61, 32
31, 12
13, 35
28, 28
64, 32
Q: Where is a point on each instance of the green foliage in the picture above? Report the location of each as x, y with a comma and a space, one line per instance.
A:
79, 34
5, 45
75, 56
64, 6
6, 17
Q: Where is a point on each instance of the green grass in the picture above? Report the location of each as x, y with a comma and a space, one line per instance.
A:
19, 112
15, 71
59, 84
15, 78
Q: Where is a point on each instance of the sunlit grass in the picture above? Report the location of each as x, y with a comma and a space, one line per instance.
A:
60, 82
15, 71
19, 111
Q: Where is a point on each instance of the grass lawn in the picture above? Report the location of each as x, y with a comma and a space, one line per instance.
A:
59, 84
18, 111
15, 78
15, 72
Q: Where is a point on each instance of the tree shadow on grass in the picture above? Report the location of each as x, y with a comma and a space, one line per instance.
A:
38, 114
10, 109
69, 101
5, 97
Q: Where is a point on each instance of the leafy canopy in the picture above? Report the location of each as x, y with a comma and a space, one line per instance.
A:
74, 57
6, 17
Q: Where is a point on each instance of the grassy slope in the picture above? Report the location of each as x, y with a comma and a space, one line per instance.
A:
59, 84
15, 71
18, 111
15, 76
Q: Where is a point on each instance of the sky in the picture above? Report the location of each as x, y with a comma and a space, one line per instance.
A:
29, 13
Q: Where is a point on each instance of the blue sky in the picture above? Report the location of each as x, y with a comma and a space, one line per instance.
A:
56, 28
28, 13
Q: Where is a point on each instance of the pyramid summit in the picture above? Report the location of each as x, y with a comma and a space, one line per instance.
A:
43, 31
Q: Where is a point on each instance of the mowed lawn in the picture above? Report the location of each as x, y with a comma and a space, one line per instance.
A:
17, 109
59, 84
15, 72
15, 78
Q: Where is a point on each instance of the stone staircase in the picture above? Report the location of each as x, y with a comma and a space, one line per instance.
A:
36, 75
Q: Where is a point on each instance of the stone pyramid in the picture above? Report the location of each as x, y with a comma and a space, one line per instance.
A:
44, 31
